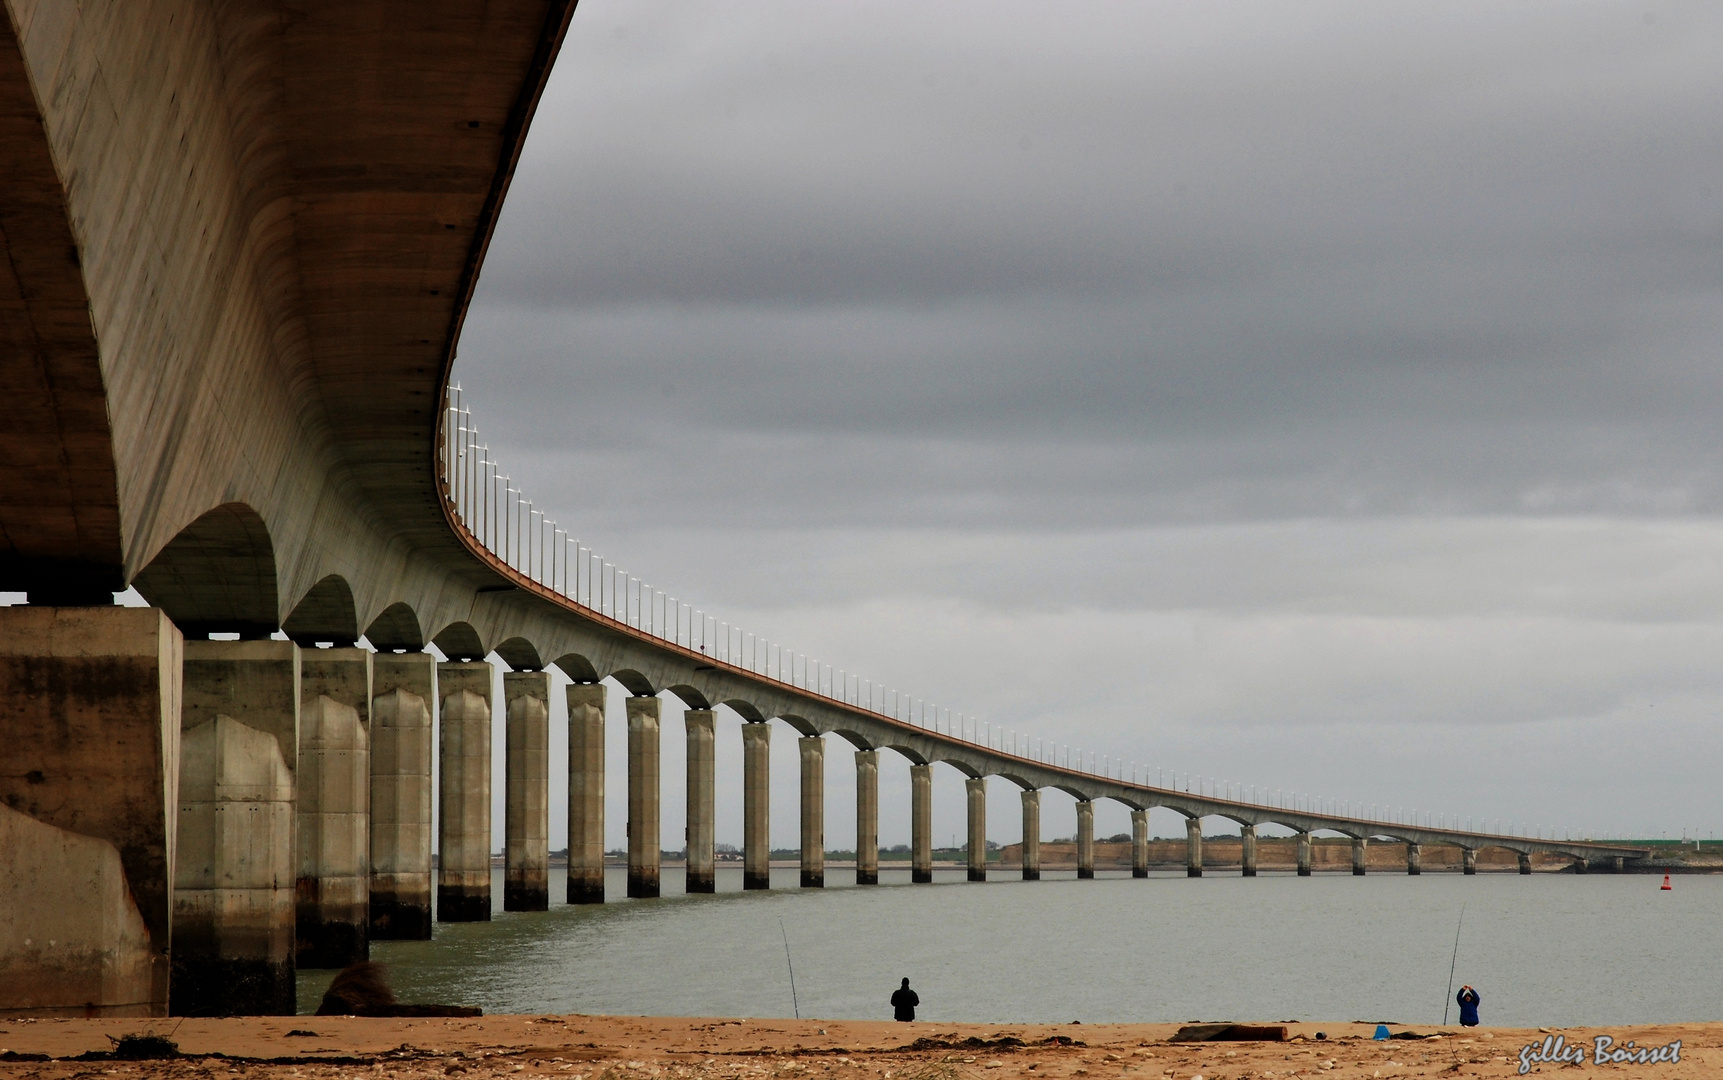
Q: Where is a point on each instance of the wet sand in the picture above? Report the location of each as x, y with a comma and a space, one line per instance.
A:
674, 1048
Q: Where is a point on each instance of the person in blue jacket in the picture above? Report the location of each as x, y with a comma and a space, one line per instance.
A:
1468, 999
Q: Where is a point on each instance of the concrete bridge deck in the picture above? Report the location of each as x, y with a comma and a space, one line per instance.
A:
239, 242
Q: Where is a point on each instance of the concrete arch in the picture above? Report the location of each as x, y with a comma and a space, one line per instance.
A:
1503, 847
634, 682
1339, 831
459, 641
396, 628
961, 766
690, 696
577, 668
855, 739
914, 756
801, 724
217, 575
747, 710
1080, 796
325, 613
520, 654
1020, 781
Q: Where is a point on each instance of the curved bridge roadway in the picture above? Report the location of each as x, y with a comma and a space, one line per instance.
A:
237, 243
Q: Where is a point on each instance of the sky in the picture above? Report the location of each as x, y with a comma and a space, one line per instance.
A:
1319, 397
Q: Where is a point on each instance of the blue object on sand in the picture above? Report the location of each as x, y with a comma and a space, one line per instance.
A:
1381, 1032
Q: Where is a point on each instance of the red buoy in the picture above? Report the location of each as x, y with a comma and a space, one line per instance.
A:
1665, 884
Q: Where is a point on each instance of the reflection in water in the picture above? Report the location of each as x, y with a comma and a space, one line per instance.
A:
1546, 949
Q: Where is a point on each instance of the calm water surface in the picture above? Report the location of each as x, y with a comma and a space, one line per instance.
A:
1544, 949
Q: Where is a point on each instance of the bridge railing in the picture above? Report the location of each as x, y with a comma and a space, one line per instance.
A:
498, 517
502, 520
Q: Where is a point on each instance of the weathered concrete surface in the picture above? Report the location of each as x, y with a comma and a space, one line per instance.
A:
237, 357
867, 817
1247, 849
920, 824
238, 242
334, 800
700, 836
1085, 838
645, 840
1304, 854
975, 787
464, 796
526, 808
1031, 844
234, 920
1193, 847
756, 806
88, 950
1139, 843
813, 855
1414, 859
1359, 862
403, 732
91, 738
236, 868
1469, 861
586, 793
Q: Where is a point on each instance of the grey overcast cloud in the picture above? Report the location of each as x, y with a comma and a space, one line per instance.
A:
1320, 396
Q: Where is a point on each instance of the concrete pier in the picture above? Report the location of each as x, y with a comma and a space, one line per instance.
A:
756, 806
1139, 843
920, 824
702, 801
813, 750
867, 817
976, 788
1247, 838
1193, 847
526, 804
1469, 861
403, 730
1414, 859
644, 826
1525, 864
1303, 854
586, 793
88, 801
464, 795
1359, 844
334, 807
1085, 838
1032, 834
235, 861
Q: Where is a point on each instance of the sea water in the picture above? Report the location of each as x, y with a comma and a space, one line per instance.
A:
1545, 949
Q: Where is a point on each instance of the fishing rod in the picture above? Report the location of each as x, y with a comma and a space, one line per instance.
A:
1451, 964
787, 963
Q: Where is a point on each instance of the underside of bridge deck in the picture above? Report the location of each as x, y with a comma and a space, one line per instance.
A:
237, 242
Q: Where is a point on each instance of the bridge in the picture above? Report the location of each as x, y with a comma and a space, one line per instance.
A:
240, 240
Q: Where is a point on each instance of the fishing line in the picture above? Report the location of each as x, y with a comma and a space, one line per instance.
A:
787, 963
1451, 963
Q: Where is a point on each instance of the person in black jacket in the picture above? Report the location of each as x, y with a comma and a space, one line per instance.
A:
904, 1001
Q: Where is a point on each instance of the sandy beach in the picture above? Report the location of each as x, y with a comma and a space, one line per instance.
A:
676, 1048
